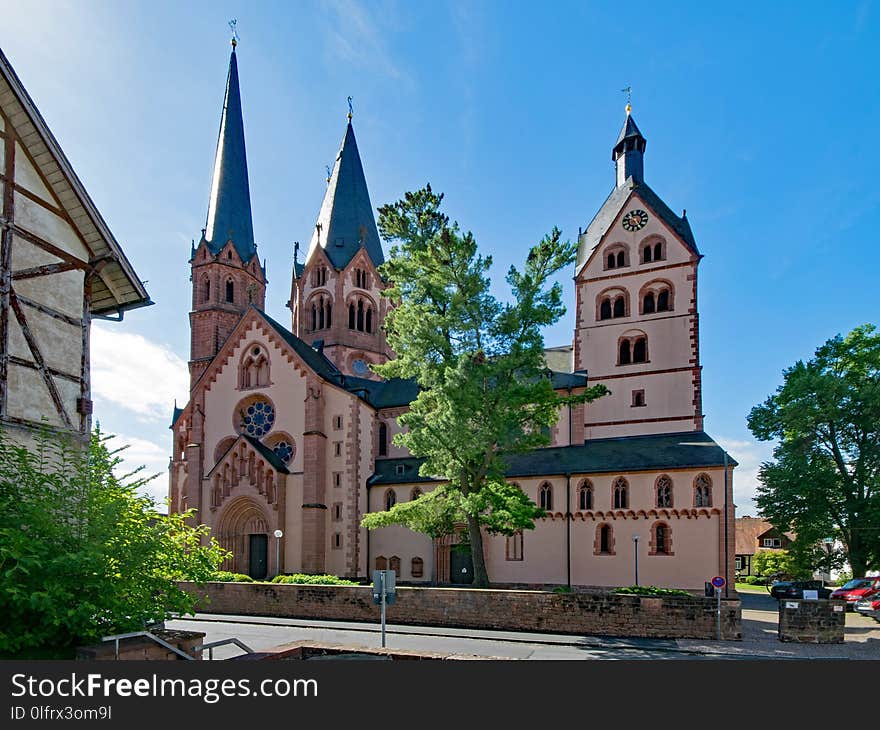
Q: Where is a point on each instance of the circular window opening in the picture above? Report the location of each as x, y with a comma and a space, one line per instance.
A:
258, 419
284, 451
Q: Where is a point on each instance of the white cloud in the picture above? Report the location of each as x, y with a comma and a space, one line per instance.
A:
355, 37
136, 374
153, 457
749, 455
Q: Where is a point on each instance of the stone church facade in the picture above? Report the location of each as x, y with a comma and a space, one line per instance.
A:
288, 428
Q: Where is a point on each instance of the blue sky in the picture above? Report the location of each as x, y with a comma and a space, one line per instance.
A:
761, 120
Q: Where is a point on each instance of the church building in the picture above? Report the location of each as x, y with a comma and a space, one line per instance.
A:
288, 429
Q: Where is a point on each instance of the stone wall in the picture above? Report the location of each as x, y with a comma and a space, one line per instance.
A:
595, 613
812, 622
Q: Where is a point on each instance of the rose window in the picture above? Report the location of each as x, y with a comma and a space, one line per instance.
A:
258, 419
284, 451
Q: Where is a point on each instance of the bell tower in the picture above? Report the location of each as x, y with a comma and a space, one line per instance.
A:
336, 295
226, 273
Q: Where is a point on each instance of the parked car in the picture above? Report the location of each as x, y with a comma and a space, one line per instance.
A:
870, 606
855, 590
795, 589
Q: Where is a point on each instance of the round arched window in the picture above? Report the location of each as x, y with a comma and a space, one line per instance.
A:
258, 419
284, 451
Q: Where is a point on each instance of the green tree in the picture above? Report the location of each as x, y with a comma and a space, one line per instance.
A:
771, 562
825, 480
484, 390
82, 554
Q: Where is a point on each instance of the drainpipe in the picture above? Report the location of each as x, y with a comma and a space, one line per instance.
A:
568, 531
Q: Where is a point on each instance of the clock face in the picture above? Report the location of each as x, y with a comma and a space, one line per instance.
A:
360, 366
635, 220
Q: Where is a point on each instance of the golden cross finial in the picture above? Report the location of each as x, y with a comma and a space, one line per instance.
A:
628, 91
234, 41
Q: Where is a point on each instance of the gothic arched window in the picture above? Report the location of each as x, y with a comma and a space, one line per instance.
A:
664, 491
605, 309
646, 254
369, 320
604, 544
663, 300
230, 290
611, 260
625, 353
207, 289
703, 491
390, 499
661, 539
546, 497
351, 316
620, 494
621, 259
658, 251
585, 495
648, 305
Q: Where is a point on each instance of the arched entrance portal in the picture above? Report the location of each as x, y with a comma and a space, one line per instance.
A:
243, 529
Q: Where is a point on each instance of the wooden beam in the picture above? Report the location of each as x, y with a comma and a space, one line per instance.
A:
38, 358
54, 313
48, 247
42, 271
85, 385
22, 363
8, 212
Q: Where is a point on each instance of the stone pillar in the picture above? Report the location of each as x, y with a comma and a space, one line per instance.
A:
314, 506
812, 622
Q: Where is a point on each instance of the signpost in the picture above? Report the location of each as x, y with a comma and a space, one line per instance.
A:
384, 593
718, 582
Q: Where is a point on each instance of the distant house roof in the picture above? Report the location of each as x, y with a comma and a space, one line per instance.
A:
749, 530
116, 288
613, 455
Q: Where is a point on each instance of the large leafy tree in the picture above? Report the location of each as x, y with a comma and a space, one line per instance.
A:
82, 553
484, 390
825, 479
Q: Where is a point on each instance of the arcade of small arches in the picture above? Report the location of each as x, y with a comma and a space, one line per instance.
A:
361, 314
655, 296
253, 368
632, 348
651, 250
320, 312
417, 565
242, 465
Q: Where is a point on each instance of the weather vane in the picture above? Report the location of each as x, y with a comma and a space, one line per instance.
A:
628, 91
327, 168
232, 24
349, 108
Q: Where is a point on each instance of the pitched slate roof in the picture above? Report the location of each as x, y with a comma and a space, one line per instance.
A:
317, 361
229, 207
629, 130
614, 455
116, 288
175, 415
267, 454
346, 220
613, 206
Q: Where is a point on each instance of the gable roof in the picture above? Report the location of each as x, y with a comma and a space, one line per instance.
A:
117, 287
346, 221
749, 530
612, 207
613, 455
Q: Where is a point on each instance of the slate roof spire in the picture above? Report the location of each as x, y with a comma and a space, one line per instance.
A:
346, 222
629, 150
229, 207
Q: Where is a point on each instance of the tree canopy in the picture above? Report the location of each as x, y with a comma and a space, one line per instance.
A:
82, 554
485, 391
825, 477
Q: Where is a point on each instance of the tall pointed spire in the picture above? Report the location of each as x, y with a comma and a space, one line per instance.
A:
346, 220
229, 207
629, 150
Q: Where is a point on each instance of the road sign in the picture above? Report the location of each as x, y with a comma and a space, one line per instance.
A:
718, 581
389, 584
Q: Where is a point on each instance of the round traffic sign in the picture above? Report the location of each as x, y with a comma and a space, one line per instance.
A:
718, 581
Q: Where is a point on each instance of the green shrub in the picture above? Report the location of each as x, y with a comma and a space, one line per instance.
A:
225, 576
755, 580
650, 591
82, 553
315, 580
563, 589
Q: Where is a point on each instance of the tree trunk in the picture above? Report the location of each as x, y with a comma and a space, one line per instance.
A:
481, 577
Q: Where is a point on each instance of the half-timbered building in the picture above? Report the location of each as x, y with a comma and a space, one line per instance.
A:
60, 267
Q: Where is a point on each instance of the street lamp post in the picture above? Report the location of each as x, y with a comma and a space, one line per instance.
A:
829, 548
278, 535
636, 552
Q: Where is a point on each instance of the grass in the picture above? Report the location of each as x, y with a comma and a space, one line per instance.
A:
749, 588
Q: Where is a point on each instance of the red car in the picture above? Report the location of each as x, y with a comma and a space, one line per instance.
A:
856, 589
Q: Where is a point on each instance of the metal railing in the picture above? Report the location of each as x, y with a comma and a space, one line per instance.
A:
223, 642
134, 634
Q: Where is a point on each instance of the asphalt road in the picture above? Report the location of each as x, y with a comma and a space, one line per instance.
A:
262, 633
